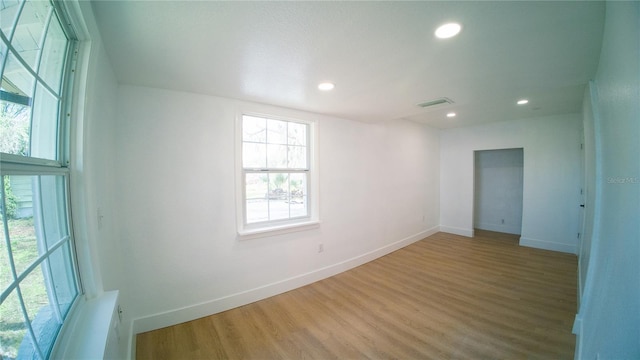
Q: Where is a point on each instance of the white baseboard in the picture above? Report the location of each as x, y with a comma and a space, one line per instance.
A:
499, 228
547, 245
577, 330
457, 231
196, 311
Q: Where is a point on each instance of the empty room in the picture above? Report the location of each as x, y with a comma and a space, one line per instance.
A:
323, 179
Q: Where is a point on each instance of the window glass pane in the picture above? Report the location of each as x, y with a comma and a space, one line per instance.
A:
14, 121
278, 209
299, 208
30, 30
52, 61
298, 198
36, 218
12, 327
298, 185
36, 209
43, 317
254, 156
257, 210
44, 126
6, 277
297, 157
15, 108
8, 12
278, 196
22, 231
278, 186
276, 156
297, 134
256, 186
256, 193
3, 53
254, 129
17, 80
276, 132
63, 278
50, 207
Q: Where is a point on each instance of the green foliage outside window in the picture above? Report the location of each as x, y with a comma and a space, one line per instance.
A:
14, 127
11, 202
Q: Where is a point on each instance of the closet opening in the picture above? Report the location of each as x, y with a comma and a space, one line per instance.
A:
498, 189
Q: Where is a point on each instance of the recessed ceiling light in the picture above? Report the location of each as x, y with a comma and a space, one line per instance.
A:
451, 114
448, 30
326, 86
522, 101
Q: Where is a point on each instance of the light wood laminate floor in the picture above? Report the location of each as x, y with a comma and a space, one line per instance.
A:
443, 297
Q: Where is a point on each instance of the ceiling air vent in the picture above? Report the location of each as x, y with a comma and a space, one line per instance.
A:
435, 102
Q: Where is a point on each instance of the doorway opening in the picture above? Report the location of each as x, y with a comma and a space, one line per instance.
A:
498, 190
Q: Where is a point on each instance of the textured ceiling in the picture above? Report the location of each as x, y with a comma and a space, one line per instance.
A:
382, 56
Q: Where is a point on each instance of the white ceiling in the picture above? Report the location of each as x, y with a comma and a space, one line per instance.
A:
382, 56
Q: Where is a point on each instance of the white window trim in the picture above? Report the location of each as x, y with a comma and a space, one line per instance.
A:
272, 228
33, 166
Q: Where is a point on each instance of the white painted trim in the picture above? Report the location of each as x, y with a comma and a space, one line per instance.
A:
188, 313
131, 350
548, 245
577, 330
277, 230
256, 230
92, 330
577, 325
499, 228
457, 231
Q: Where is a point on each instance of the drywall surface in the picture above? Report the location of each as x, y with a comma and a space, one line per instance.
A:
551, 177
176, 203
498, 190
608, 324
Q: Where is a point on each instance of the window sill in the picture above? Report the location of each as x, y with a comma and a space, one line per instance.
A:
89, 329
246, 234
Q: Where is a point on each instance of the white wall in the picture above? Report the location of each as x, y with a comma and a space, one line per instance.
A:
498, 188
551, 177
176, 205
608, 323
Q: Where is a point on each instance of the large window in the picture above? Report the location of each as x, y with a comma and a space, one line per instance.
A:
38, 277
276, 166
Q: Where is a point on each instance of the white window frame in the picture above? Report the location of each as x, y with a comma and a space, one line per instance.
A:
19, 165
275, 227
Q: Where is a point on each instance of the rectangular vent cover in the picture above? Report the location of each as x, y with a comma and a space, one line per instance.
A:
436, 102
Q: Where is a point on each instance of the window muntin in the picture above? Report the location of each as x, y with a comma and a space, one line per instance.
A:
275, 170
38, 277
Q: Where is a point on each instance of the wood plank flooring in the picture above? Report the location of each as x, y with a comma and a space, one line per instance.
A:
444, 297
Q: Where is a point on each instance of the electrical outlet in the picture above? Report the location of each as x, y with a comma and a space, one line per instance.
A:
320, 248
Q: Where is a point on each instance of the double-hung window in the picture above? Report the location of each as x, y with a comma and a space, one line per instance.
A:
38, 277
277, 158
